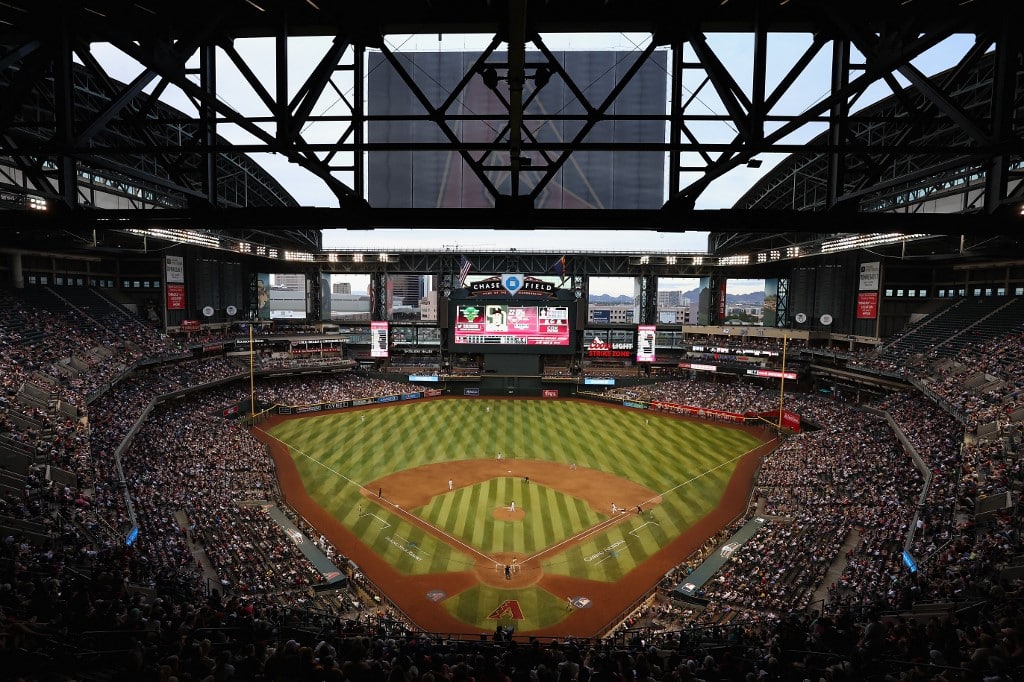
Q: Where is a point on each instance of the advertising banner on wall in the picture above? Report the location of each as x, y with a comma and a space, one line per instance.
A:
869, 275
771, 374
175, 269
701, 412
790, 420
867, 306
175, 296
599, 348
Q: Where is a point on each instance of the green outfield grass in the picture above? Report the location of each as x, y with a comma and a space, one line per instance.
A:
689, 463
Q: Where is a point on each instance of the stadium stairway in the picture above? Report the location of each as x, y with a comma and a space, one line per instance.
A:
199, 554
835, 571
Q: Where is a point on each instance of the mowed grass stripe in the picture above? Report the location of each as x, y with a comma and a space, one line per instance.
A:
663, 455
467, 524
596, 444
555, 519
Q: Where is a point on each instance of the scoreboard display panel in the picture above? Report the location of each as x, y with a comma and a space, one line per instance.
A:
499, 324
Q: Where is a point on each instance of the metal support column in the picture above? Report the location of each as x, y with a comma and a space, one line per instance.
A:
314, 297
208, 119
647, 305
379, 296
64, 111
782, 305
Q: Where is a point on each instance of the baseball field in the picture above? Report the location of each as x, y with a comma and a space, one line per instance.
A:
547, 516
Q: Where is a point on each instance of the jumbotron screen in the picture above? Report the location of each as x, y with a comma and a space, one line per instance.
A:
507, 325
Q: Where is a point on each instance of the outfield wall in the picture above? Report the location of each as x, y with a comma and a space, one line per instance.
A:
355, 402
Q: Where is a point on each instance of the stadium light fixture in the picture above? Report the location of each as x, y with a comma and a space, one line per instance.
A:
866, 241
179, 236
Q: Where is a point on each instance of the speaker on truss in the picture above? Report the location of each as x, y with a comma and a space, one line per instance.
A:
582, 305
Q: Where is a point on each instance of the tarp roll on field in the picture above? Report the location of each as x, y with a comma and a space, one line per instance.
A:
690, 588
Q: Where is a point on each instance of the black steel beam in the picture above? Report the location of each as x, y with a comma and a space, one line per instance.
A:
1008, 221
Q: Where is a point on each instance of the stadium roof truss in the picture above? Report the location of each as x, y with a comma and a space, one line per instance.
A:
941, 156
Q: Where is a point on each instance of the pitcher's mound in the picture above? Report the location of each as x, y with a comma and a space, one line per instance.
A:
506, 514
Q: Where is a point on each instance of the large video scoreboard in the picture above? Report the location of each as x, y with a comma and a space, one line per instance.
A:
499, 324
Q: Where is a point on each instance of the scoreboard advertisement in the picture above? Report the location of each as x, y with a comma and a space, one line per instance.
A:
499, 324
645, 337
379, 339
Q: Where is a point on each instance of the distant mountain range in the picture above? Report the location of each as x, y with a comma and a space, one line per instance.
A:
753, 298
611, 300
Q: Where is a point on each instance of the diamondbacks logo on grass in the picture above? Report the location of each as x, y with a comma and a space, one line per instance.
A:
508, 609
436, 596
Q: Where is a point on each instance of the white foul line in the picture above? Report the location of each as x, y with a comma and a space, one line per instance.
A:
408, 515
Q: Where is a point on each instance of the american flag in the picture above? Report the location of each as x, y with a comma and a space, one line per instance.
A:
561, 269
464, 267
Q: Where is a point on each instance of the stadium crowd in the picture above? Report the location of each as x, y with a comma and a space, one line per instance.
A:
213, 588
